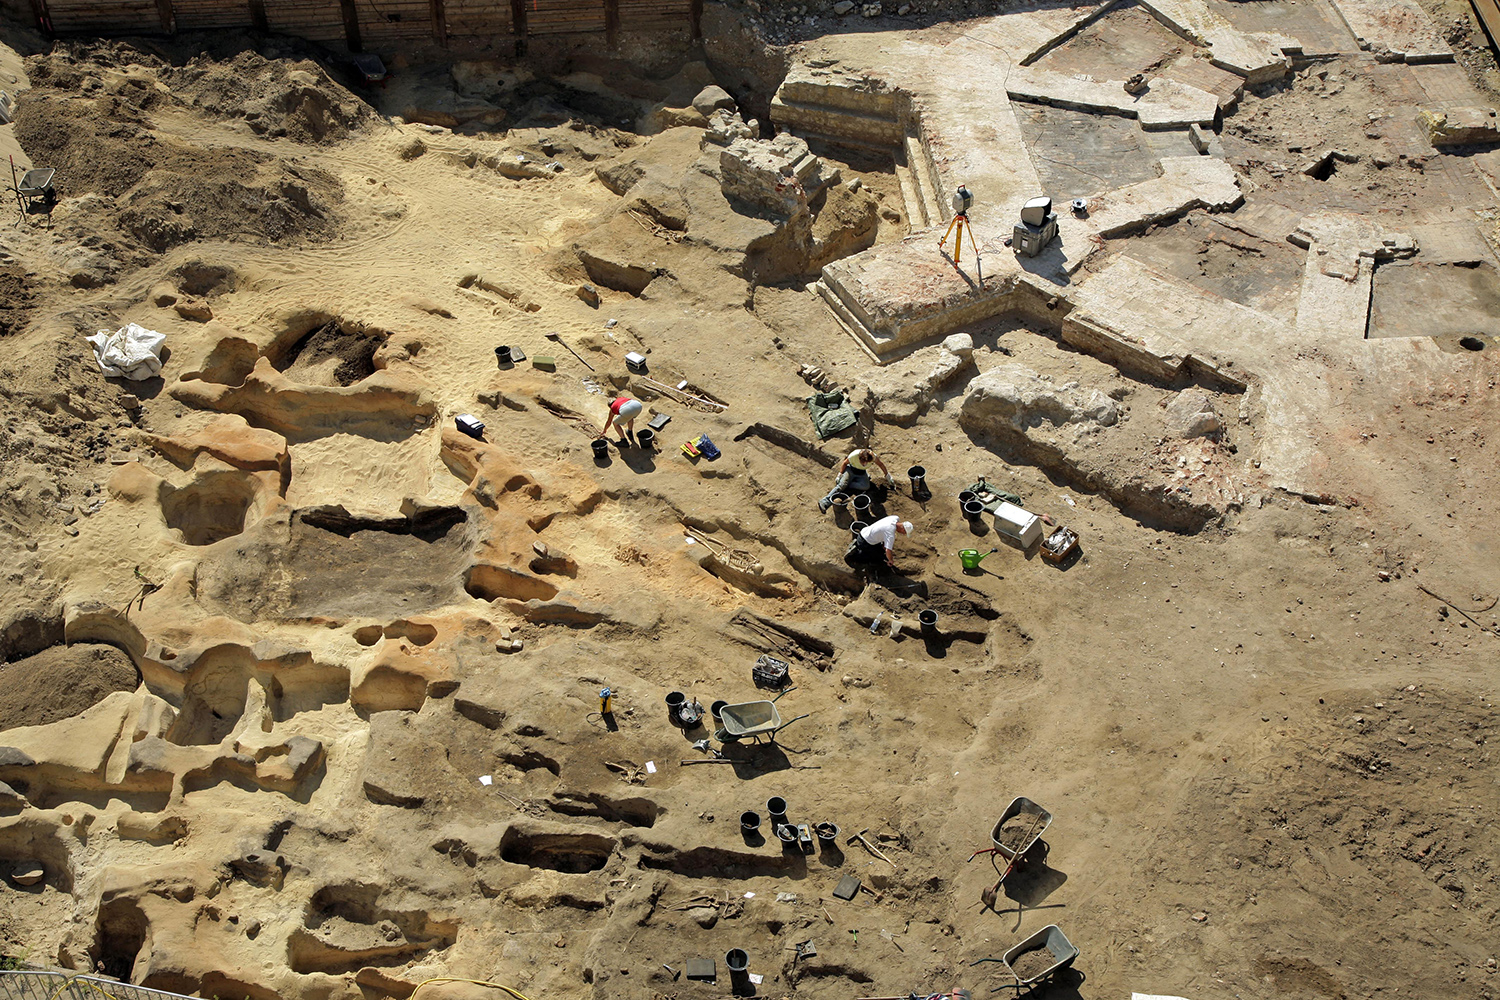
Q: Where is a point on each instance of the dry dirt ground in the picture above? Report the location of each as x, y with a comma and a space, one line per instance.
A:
356, 743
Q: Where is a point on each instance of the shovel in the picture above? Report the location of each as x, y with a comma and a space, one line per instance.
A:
555, 336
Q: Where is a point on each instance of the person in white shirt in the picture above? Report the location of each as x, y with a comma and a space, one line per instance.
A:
853, 476
877, 541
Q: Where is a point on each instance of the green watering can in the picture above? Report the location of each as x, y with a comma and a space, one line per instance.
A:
973, 557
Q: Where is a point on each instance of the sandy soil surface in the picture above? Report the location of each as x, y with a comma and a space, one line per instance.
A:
366, 748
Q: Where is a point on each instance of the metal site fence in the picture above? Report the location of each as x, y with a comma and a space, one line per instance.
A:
38, 984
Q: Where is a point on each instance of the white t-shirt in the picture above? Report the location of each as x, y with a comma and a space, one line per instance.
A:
855, 463
882, 532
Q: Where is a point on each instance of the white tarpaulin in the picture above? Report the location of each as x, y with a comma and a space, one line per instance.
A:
132, 352
1152, 996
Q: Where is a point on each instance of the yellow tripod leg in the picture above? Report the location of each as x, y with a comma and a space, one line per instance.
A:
949, 232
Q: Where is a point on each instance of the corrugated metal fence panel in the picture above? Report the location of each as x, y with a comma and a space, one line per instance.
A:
552, 17
29, 984
195, 15
642, 15
387, 20
477, 18
320, 20
105, 16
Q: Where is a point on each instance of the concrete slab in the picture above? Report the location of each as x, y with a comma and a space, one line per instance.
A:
1398, 26
1123, 42
1417, 299
1171, 318
1034, 27
1315, 25
1078, 153
1165, 104
1258, 57
1186, 183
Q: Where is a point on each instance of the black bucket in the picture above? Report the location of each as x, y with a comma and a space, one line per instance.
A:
776, 807
918, 476
929, 619
645, 438
861, 505
675, 701
828, 834
965, 497
974, 509
739, 978
750, 823
502, 354
601, 448
715, 707
858, 526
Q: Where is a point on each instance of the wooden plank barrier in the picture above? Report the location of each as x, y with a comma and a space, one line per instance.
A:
375, 22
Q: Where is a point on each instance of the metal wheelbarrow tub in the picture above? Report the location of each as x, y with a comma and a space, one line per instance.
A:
36, 181
1059, 949
751, 720
1020, 806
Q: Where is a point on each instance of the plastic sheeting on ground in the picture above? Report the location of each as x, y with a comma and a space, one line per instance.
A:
132, 352
830, 412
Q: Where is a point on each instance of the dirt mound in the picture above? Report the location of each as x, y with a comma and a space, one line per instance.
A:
15, 300
61, 682
277, 98
169, 193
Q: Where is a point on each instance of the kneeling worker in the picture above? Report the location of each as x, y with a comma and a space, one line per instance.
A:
854, 475
875, 543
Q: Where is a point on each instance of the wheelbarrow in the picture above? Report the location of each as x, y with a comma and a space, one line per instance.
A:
971, 558
1057, 954
751, 720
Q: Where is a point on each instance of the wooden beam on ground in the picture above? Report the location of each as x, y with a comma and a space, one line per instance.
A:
1488, 12
351, 26
439, 22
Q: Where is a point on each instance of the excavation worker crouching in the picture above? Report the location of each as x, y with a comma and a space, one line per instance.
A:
622, 413
854, 476
874, 545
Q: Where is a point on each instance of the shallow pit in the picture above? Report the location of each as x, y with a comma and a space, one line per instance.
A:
572, 853
331, 351
210, 509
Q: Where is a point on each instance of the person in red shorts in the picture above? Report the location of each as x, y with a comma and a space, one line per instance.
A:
622, 413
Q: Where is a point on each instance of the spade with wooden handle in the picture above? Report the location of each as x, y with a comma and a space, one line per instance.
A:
557, 337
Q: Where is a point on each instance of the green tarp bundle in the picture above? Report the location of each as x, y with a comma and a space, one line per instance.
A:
830, 412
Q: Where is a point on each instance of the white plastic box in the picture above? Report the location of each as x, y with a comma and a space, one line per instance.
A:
1020, 526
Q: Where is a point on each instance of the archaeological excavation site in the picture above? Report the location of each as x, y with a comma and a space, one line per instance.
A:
691, 499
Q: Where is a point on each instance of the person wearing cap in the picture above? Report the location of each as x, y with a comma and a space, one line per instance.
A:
878, 541
853, 475
622, 413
